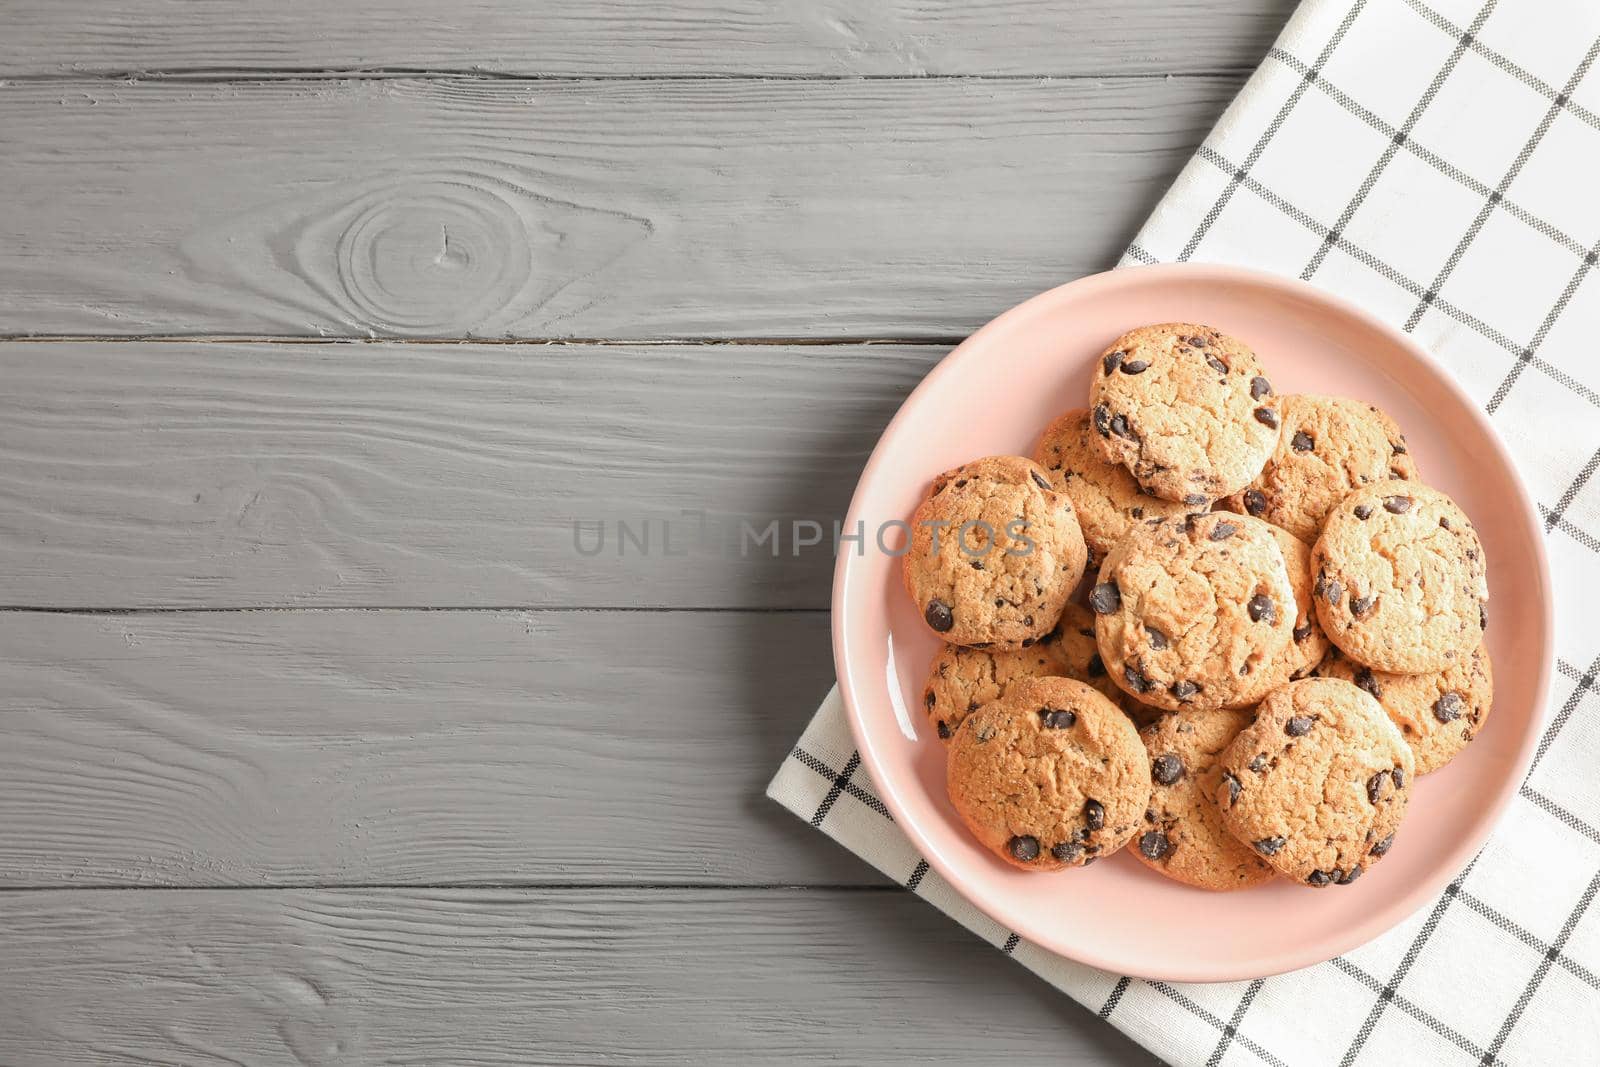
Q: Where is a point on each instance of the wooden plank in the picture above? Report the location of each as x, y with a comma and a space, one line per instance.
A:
272, 748
616, 38
486, 208
501, 976
140, 474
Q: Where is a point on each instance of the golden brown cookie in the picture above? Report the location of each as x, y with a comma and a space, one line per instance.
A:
995, 552
1329, 445
1186, 409
1189, 610
961, 680
1183, 836
1437, 713
1108, 500
1051, 775
1400, 579
1317, 785
1075, 645
1307, 643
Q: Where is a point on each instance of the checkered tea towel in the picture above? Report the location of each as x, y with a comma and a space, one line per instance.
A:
1437, 161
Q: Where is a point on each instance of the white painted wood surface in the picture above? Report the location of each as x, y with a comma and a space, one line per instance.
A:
258, 801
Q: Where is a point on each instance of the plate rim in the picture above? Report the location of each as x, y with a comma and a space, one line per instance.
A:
1289, 958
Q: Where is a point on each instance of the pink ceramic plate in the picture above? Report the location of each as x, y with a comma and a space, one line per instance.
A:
994, 394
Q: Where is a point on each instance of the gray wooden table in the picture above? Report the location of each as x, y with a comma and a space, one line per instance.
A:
320, 740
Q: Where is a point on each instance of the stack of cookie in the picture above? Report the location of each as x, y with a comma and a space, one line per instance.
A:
1223, 628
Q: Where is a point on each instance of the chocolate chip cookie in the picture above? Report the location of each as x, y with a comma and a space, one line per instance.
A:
1108, 500
1307, 643
1186, 409
1400, 579
995, 552
1317, 785
1189, 611
1329, 445
1051, 775
1182, 836
1437, 713
961, 680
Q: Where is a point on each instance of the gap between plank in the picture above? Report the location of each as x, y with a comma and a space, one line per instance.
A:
546, 342
524, 609
533, 886
233, 76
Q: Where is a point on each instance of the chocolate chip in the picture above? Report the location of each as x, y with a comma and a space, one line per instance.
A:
1113, 360
977, 564
1216, 364
1166, 769
1262, 609
1185, 689
1255, 502
1102, 420
1327, 588
1105, 598
1320, 878
1094, 814
1351, 875
1096, 667
1136, 366
1067, 851
1040, 480
1158, 640
1057, 719
1223, 530
1154, 845
944, 730
1196, 500
939, 616
1363, 511
1359, 606
1298, 726
1483, 616
1382, 846
1137, 682
1302, 442
1260, 387
1234, 787
1269, 846
1120, 427
1449, 707
1024, 848
1399, 777
1196, 341
1366, 680
1267, 417
1259, 762
1302, 632
1375, 786
928, 698
1397, 505
1444, 523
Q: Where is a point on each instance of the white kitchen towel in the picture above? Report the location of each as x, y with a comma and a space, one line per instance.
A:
1439, 163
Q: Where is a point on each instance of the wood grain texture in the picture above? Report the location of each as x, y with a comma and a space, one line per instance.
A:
272, 748
137, 474
617, 38
483, 208
504, 976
